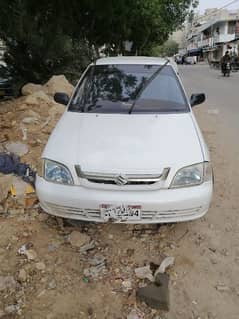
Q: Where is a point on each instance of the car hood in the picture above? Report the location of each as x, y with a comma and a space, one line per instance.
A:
125, 143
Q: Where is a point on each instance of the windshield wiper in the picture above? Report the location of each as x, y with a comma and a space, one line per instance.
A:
146, 84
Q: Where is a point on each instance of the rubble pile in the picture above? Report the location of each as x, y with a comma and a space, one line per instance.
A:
25, 125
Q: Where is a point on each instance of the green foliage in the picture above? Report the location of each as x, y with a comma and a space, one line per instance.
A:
169, 48
46, 37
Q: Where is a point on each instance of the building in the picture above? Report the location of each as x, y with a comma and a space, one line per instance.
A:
212, 34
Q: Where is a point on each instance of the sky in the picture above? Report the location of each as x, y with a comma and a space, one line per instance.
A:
204, 4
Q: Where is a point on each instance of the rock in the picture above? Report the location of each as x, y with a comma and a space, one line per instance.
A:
52, 284
31, 88
40, 266
58, 83
84, 249
22, 276
156, 295
144, 273
127, 285
97, 260
30, 120
11, 309
78, 239
7, 283
17, 148
5, 185
167, 262
223, 288
31, 254
38, 97
2, 313
135, 314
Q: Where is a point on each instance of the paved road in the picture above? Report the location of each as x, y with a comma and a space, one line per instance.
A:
208, 257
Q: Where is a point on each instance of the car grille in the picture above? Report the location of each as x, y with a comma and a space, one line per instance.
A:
146, 215
122, 179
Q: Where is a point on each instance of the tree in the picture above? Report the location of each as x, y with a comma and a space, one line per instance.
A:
169, 48
46, 37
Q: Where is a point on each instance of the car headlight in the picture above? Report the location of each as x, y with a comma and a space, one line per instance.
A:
192, 175
56, 173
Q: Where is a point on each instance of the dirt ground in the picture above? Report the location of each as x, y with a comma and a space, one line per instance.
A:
54, 285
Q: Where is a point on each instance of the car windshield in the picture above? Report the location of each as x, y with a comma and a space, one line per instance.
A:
114, 88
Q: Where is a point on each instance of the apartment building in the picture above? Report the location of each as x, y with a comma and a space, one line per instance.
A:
212, 34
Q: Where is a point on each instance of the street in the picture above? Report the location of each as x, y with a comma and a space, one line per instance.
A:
87, 270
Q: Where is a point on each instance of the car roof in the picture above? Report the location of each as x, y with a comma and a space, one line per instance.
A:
131, 60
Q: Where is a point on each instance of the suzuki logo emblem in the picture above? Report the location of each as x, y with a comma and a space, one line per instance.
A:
121, 180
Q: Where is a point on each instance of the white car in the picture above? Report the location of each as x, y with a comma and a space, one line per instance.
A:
127, 148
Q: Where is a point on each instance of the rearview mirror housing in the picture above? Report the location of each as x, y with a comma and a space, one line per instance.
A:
61, 98
197, 99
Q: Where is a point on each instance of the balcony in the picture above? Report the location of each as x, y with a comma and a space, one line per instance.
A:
224, 38
206, 43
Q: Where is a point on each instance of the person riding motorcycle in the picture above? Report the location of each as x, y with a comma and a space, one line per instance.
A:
225, 59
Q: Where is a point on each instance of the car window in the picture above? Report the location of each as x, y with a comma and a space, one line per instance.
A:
114, 88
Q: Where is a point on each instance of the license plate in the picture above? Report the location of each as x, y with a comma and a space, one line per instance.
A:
120, 212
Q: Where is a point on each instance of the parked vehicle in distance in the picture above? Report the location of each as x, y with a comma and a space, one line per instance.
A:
127, 149
6, 83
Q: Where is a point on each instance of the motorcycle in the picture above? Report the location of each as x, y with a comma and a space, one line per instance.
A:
226, 69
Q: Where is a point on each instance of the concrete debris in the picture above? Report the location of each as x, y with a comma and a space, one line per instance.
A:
30, 120
58, 83
7, 283
5, 185
17, 148
40, 266
127, 285
11, 309
52, 284
156, 295
38, 97
22, 276
135, 314
97, 260
84, 249
78, 239
144, 273
223, 288
167, 262
31, 88
28, 252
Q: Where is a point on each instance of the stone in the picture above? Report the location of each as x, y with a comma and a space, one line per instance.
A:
156, 295
11, 309
52, 284
223, 288
97, 260
2, 313
167, 262
40, 266
31, 254
7, 283
135, 314
37, 98
5, 185
17, 148
78, 239
31, 88
84, 249
22, 276
127, 285
144, 273
58, 83
30, 120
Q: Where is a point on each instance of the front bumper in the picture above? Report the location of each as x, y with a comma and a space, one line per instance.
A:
158, 206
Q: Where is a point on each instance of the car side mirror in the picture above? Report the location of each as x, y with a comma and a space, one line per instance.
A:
197, 99
61, 98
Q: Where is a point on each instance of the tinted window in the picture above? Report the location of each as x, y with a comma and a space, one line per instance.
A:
114, 88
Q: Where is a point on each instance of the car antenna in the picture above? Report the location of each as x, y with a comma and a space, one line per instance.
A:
146, 84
